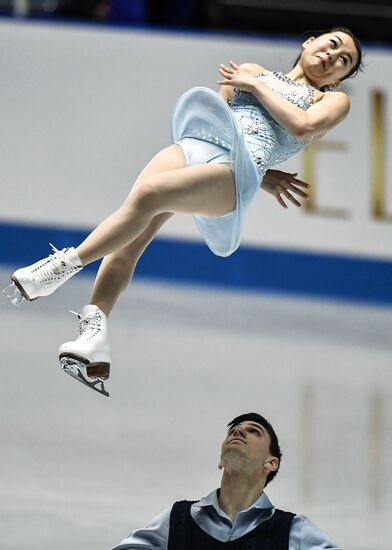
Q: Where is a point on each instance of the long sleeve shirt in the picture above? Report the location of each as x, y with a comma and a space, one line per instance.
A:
304, 534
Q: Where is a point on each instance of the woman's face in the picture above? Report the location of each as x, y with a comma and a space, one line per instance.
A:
328, 58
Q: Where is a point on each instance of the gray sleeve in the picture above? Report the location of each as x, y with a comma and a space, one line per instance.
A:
154, 536
305, 535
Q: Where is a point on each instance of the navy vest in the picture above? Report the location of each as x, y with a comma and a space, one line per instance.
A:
185, 534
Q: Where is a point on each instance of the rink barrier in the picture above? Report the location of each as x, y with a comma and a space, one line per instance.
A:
312, 274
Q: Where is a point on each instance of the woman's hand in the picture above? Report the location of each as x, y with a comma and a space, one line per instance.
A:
283, 184
237, 77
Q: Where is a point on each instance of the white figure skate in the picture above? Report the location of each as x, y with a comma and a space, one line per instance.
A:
87, 359
43, 277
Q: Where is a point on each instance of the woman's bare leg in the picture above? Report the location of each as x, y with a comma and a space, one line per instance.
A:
204, 189
116, 270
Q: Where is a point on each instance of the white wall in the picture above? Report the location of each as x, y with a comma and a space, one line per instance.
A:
84, 108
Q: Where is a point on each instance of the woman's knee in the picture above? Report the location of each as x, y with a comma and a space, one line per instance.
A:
150, 194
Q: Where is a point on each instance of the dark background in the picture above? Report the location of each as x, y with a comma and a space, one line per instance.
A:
370, 20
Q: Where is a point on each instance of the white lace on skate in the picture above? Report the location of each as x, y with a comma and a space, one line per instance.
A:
89, 324
53, 268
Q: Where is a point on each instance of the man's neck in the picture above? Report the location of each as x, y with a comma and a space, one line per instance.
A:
238, 492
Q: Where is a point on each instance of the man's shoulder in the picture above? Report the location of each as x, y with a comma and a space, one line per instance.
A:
308, 534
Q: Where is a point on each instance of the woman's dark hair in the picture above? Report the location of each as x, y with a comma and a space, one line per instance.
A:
358, 65
274, 447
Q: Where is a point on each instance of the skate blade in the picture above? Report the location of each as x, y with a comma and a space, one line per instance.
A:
14, 295
75, 368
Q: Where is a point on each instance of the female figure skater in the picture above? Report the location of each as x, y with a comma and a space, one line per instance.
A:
223, 145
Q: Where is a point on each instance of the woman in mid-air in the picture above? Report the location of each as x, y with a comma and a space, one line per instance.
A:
223, 147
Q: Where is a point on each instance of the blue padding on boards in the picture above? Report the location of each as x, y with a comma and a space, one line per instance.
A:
250, 268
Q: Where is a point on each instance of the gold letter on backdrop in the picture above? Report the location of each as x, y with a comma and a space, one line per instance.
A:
378, 205
309, 175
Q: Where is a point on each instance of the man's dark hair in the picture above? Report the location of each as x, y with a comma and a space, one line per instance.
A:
274, 447
358, 65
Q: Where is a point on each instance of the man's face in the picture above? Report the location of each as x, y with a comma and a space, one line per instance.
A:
247, 446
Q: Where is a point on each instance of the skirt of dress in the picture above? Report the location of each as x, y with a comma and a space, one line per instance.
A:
203, 114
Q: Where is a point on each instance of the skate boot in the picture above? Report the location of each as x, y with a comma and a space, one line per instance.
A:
43, 277
87, 359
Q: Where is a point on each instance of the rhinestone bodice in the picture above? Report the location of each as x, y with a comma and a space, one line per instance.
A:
268, 142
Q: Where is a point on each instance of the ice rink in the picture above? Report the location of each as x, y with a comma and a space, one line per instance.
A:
79, 470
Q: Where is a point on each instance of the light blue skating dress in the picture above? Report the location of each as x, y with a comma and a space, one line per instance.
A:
243, 134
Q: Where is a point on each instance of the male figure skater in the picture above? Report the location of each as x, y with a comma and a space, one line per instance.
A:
239, 513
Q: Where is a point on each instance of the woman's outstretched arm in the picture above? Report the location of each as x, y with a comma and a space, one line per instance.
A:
284, 185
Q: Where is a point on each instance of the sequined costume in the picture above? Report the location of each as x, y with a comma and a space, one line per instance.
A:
243, 134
